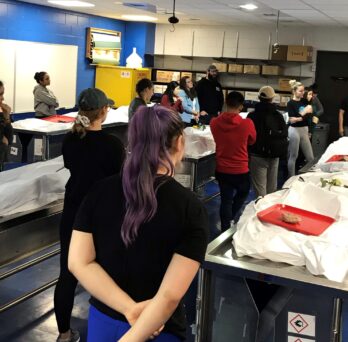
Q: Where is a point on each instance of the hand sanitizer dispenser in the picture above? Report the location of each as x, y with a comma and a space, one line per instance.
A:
134, 60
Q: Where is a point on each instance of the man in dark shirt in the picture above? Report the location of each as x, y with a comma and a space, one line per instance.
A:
210, 95
343, 118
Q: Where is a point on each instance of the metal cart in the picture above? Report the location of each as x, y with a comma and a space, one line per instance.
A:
194, 173
300, 307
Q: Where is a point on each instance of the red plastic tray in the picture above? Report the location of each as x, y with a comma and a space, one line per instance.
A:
59, 118
310, 224
336, 158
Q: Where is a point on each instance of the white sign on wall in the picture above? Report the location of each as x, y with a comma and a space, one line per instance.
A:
298, 339
301, 324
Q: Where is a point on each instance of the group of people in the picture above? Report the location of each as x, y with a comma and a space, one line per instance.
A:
195, 104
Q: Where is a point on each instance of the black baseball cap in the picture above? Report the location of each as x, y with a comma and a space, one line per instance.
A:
92, 99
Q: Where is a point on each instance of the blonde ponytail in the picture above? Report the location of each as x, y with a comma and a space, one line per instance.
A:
294, 85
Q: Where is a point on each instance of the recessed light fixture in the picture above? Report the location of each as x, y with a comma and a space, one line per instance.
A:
71, 3
138, 17
249, 7
118, 3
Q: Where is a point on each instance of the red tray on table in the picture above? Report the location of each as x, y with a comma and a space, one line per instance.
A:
337, 157
310, 224
59, 118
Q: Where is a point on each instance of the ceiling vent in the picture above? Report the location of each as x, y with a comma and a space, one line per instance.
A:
141, 6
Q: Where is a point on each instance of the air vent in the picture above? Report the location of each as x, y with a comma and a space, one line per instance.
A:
142, 6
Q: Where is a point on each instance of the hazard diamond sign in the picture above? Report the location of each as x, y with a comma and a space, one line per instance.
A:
299, 323
302, 324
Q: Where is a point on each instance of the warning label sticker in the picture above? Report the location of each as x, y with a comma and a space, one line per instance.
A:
301, 324
298, 339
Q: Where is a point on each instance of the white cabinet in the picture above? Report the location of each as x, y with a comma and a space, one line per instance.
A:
254, 44
207, 43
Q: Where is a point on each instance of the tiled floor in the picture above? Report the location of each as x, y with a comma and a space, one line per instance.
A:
34, 320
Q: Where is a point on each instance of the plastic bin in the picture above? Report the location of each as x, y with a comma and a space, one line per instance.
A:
320, 138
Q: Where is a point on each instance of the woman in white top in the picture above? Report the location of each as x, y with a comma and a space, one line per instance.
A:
45, 103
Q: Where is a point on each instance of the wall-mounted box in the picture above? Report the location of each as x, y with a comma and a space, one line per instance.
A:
284, 99
271, 70
283, 84
103, 46
236, 68
252, 69
300, 53
252, 96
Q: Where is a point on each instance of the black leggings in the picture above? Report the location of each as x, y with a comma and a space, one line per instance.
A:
65, 290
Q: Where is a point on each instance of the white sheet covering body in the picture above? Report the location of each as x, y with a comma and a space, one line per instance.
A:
326, 254
32, 186
37, 125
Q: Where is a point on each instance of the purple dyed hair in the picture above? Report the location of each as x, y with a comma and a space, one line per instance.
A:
150, 137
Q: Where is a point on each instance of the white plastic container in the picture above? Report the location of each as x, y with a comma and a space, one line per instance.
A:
134, 60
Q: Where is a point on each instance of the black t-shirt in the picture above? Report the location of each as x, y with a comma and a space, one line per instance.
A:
344, 106
294, 108
89, 159
210, 96
180, 225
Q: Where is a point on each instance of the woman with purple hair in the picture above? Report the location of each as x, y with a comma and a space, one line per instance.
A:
139, 238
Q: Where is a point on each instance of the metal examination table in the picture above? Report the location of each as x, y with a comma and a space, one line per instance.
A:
32, 146
296, 305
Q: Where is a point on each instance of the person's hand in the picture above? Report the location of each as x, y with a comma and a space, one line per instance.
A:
308, 109
293, 120
5, 141
6, 109
341, 132
133, 313
203, 113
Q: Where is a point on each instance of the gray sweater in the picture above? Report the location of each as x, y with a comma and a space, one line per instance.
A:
45, 103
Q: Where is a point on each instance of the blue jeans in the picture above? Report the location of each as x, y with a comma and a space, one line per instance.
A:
234, 190
103, 328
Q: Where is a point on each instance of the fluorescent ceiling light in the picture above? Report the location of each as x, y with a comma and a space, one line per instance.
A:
71, 3
138, 17
249, 7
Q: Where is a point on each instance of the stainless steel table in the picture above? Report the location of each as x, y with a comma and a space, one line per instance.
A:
302, 307
33, 146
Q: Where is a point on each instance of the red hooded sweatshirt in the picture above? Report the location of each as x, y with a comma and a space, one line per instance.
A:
232, 135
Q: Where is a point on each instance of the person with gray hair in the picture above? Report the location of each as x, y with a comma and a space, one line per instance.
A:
298, 130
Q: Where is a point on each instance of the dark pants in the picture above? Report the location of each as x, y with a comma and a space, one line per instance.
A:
234, 190
65, 290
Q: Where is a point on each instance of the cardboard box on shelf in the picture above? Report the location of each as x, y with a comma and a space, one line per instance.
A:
251, 96
199, 76
284, 99
300, 53
185, 73
271, 70
167, 76
283, 84
276, 99
252, 69
222, 67
159, 89
236, 68
279, 54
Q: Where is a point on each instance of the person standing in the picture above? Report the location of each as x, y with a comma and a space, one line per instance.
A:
188, 96
90, 155
343, 118
232, 135
298, 131
6, 131
45, 103
144, 89
210, 96
170, 98
271, 143
140, 237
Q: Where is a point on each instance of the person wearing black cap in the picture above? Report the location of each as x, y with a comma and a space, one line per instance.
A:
90, 155
210, 97
271, 143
